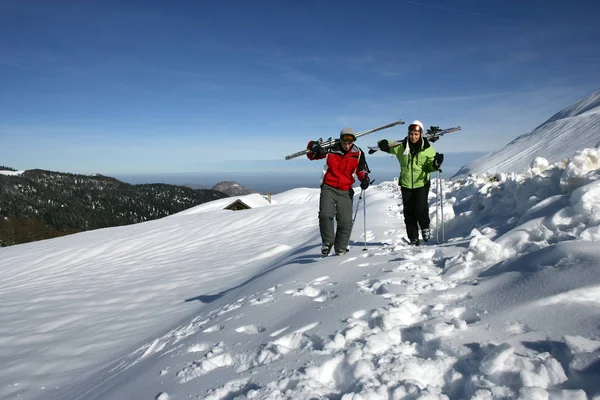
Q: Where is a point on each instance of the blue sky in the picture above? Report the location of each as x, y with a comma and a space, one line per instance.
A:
199, 86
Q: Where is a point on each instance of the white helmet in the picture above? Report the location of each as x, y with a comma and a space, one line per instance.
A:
418, 123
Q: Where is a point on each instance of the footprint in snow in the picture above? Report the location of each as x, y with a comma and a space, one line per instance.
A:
238, 316
267, 297
217, 357
281, 347
250, 329
214, 328
229, 308
198, 347
262, 300
316, 294
325, 296
279, 331
319, 280
370, 236
359, 314
307, 291
374, 286
322, 281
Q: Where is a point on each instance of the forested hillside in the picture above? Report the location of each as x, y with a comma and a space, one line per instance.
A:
40, 204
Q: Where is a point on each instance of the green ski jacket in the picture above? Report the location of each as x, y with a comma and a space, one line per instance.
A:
414, 170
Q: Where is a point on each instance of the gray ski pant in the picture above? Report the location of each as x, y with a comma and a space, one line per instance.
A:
337, 204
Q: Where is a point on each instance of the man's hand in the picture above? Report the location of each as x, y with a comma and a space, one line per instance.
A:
316, 148
364, 184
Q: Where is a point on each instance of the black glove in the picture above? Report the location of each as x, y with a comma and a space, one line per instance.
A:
384, 145
438, 160
316, 148
433, 139
364, 184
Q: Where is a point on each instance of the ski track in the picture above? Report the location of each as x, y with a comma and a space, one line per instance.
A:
395, 351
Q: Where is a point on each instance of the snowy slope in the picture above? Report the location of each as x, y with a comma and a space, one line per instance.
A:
238, 305
573, 128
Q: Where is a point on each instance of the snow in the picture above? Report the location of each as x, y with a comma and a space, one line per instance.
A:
253, 200
13, 173
573, 128
212, 304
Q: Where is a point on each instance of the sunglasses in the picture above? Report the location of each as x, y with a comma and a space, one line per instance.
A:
347, 138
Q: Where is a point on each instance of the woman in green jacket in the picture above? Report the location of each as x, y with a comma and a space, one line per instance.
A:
417, 160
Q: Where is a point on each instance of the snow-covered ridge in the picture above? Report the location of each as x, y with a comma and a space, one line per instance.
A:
573, 128
589, 103
6, 172
231, 188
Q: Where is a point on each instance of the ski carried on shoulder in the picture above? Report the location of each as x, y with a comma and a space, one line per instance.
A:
432, 134
330, 142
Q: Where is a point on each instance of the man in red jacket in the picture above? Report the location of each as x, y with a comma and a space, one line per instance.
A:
344, 159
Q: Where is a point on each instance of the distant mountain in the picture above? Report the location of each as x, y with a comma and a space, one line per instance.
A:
573, 128
37, 204
231, 188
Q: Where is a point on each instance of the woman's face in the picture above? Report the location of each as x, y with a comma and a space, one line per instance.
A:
414, 134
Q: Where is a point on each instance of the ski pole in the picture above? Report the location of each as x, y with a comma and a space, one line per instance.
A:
357, 205
442, 204
365, 219
356, 211
437, 207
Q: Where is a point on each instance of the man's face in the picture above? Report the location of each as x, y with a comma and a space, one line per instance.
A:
347, 141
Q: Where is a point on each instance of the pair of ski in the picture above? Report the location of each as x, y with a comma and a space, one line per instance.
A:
432, 134
331, 142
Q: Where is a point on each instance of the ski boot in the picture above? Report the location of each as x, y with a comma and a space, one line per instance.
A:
325, 249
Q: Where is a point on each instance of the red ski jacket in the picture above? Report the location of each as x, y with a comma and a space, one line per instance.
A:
340, 167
